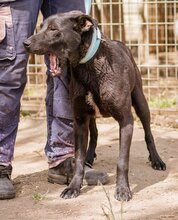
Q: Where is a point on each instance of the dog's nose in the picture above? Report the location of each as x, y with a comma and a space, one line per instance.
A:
27, 43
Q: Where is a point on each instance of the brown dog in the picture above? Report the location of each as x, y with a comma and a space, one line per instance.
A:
114, 81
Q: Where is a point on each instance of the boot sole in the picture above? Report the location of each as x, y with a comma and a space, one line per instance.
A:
62, 180
59, 179
5, 196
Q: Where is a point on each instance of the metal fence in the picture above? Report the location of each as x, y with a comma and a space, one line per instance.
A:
150, 30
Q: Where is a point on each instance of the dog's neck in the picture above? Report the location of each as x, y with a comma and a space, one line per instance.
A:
94, 45
77, 55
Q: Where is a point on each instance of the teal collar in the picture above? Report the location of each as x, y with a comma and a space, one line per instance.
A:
87, 6
95, 42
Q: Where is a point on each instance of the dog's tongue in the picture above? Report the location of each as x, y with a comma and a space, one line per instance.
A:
54, 68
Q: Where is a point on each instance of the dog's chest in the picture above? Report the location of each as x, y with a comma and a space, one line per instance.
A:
90, 101
97, 105
93, 79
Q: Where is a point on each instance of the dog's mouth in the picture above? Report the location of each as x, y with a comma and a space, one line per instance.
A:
55, 65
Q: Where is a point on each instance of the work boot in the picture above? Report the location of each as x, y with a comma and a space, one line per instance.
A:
63, 173
7, 190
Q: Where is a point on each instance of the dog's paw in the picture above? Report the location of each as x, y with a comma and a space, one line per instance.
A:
123, 194
70, 193
158, 165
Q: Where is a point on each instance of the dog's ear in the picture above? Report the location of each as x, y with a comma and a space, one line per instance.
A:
84, 23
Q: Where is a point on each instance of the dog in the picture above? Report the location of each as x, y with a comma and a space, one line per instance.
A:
110, 76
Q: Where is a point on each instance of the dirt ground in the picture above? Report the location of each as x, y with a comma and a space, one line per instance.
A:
155, 193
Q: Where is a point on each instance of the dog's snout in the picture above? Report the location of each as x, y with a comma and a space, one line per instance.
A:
27, 42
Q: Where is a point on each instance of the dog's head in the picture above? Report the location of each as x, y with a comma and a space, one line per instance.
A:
61, 37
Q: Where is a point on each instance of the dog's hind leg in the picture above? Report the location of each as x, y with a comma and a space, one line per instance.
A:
91, 155
142, 110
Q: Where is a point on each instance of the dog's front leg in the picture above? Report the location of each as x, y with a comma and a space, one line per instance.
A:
81, 124
123, 192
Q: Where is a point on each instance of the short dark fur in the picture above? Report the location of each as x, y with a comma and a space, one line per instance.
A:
114, 81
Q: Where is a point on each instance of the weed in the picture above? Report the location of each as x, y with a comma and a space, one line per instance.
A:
37, 197
108, 209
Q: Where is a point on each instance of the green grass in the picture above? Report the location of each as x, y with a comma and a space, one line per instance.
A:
30, 92
162, 102
24, 114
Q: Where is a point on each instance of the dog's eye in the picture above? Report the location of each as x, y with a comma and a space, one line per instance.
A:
51, 28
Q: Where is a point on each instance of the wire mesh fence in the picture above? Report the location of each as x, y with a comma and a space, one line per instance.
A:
150, 30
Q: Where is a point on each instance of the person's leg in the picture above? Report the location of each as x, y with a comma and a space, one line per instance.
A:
60, 142
18, 20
